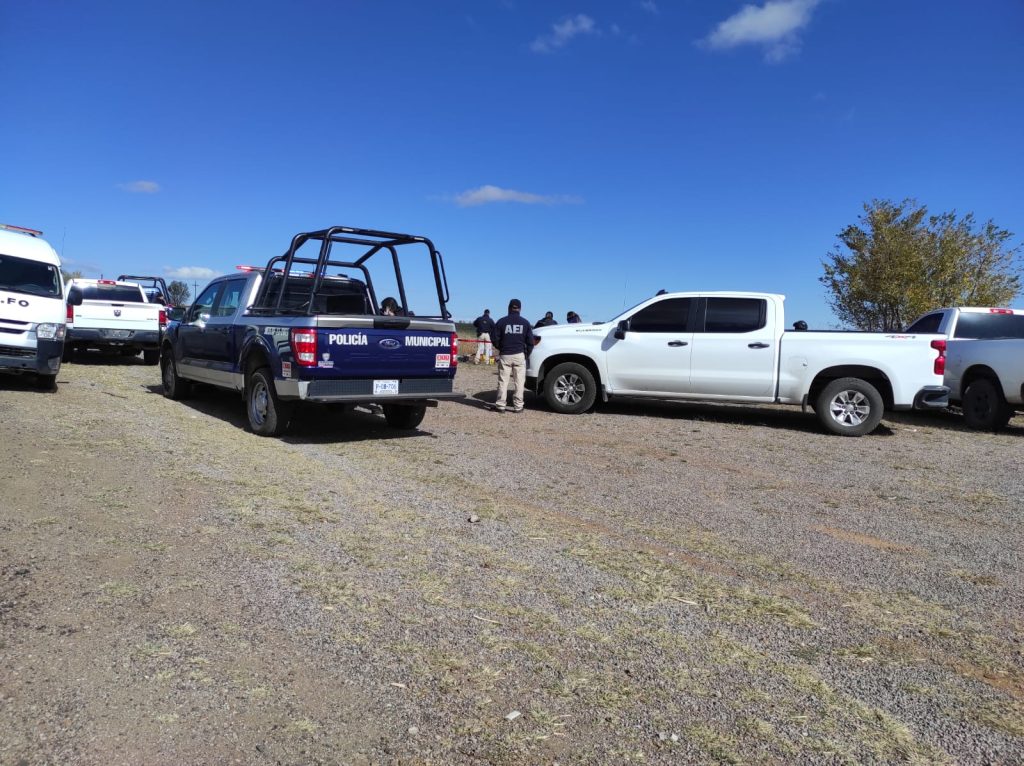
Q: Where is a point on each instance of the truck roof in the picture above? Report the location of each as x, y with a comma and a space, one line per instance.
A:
24, 245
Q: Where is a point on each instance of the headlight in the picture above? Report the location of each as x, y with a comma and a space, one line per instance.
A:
50, 331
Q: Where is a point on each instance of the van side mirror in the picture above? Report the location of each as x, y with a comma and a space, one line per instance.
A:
75, 296
620, 329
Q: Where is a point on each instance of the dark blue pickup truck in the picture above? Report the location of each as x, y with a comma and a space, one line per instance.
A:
310, 327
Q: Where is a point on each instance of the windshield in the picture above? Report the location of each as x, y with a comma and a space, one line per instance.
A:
23, 276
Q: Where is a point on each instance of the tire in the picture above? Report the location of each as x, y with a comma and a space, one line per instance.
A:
985, 408
46, 382
175, 387
850, 407
150, 355
405, 418
268, 415
570, 388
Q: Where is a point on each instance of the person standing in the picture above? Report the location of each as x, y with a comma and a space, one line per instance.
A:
484, 334
548, 320
513, 339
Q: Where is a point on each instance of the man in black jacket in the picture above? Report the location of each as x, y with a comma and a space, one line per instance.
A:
547, 321
484, 335
513, 338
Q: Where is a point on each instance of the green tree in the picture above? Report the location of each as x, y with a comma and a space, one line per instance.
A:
179, 293
898, 262
69, 275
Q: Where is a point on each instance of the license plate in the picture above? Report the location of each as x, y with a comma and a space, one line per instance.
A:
385, 387
119, 333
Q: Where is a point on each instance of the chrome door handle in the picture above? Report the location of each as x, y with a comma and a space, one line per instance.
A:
678, 343
758, 345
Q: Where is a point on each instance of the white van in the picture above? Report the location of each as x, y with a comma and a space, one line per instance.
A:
33, 311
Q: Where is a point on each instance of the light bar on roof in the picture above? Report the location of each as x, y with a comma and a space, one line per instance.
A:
21, 229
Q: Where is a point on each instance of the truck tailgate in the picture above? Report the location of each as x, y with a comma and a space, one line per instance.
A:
117, 316
383, 353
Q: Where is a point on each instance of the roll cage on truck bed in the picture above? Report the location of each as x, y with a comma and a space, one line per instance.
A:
287, 334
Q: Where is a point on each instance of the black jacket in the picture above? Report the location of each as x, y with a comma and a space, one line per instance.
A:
513, 335
484, 324
545, 322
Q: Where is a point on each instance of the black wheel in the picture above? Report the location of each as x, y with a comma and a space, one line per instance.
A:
405, 418
985, 408
174, 387
46, 382
67, 353
150, 355
570, 388
850, 407
268, 415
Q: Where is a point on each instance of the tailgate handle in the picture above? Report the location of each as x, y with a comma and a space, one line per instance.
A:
757, 345
678, 343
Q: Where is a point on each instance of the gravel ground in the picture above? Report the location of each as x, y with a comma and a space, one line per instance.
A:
651, 583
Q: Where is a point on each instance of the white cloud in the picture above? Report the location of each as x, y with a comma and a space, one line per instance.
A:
487, 194
650, 6
564, 31
191, 272
140, 187
774, 26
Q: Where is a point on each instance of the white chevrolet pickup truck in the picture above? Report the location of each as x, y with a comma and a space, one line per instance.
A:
732, 347
113, 315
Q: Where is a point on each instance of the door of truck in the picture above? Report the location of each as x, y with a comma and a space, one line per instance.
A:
218, 333
195, 349
654, 356
735, 348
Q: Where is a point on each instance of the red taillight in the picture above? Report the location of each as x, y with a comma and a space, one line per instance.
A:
455, 350
163, 319
105, 282
1000, 311
940, 360
70, 314
304, 346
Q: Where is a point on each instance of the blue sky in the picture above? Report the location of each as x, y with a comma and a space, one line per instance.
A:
577, 155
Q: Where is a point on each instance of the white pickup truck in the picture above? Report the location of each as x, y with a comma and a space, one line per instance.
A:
731, 347
113, 315
987, 378
985, 368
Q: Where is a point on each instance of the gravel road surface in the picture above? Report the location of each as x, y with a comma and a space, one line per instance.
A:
650, 583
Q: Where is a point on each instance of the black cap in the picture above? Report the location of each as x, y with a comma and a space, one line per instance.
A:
514, 304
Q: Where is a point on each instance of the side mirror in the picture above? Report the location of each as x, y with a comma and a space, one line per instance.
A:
75, 296
620, 330
175, 314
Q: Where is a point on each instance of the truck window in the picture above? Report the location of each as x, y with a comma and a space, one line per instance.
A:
972, 324
230, 298
735, 314
204, 303
336, 295
926, 324
113, 293
669, 315
23, 276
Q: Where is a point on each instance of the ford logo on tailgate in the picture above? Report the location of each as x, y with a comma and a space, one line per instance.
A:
389, 343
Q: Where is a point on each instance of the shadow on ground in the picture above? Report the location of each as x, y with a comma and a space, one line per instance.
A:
94, 358
311, 423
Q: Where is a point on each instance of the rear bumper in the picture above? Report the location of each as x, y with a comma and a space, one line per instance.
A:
43, 359
94, 337
932, 398
357, 391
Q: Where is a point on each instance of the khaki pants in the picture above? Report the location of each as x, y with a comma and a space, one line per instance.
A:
513, 365
483, 346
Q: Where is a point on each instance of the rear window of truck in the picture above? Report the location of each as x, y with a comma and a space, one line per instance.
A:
989, 326
113, 293
336, 296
